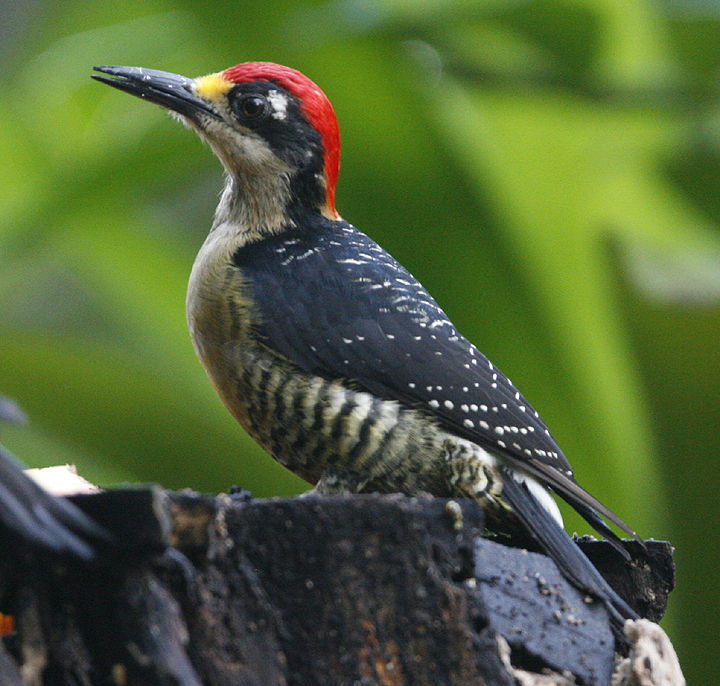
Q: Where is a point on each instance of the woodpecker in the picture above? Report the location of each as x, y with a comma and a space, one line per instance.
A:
327, 351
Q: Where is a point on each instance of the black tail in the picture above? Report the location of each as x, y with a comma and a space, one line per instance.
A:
570, 560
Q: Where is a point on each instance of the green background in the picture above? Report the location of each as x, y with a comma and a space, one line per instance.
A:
549, 170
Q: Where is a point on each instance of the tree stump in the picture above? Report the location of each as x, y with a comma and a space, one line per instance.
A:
309, 591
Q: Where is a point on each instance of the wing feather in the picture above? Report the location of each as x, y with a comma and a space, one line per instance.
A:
351, 311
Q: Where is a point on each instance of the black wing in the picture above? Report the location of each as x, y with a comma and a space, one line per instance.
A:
352, 311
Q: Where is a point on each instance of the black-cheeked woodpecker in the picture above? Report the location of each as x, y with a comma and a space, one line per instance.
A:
329, 353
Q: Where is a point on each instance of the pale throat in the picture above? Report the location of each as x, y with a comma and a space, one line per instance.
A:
258, 185
254, 205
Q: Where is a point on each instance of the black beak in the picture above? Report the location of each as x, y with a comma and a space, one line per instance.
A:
171, 91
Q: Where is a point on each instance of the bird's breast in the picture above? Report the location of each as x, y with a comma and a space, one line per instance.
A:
219, 314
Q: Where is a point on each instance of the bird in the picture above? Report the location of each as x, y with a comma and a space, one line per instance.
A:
328, 352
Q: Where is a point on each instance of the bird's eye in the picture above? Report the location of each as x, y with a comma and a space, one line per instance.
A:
252, 106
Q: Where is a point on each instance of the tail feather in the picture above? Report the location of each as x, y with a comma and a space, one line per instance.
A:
571, 561
597, 523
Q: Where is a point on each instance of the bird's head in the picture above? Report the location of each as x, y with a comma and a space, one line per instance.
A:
273, 129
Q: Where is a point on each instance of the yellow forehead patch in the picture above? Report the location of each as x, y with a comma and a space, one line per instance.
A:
212, 87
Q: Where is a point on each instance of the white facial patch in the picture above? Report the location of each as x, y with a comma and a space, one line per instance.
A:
279, 102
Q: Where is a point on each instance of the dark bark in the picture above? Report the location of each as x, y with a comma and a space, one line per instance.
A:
307, 591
